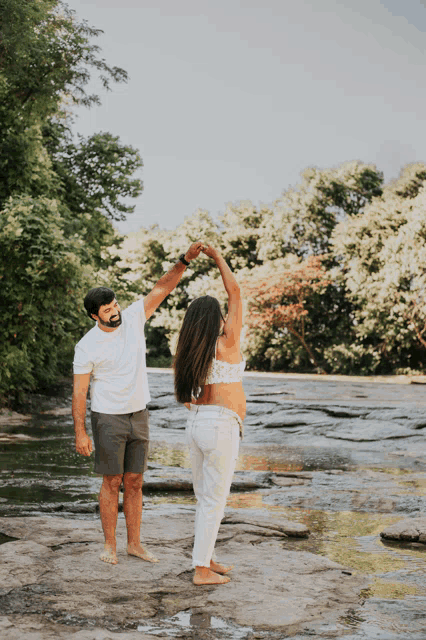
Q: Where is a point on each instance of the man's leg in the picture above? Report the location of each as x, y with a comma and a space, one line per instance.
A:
108, 507
132, 507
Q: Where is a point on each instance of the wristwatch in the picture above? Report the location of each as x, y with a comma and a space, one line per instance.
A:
182, 259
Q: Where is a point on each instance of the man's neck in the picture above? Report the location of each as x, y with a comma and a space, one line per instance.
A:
107, 329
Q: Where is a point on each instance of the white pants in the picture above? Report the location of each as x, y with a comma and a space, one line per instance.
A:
213, 436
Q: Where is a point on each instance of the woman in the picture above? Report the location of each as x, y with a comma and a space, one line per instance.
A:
208, 380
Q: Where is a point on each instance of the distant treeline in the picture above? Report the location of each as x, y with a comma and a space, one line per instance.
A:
333, 272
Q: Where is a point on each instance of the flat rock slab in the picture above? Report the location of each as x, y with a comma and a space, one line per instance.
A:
264, 521
176, 479
36, 627
12, 418
288, 482
7, 438
410, 530
53, 572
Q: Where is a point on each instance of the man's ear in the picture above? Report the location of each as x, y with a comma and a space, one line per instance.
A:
94, 317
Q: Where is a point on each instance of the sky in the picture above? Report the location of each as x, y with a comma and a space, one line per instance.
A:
229, 100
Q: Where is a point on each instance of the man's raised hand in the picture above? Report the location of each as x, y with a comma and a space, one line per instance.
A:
194, 250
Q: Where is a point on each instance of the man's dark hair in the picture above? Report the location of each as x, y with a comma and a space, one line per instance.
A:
96, 298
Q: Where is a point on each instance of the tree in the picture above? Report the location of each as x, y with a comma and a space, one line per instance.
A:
95, 178
41, 279
58, 197
303, 218
277, 299
45, 56
383, 253
242, 227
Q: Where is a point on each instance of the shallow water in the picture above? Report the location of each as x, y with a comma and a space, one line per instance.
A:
292, 425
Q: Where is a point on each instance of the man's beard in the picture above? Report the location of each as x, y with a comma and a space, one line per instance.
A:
112, 324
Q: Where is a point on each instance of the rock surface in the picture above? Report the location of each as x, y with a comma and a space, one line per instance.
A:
410, 530
12, 418
52, 572
34, 627
163, 478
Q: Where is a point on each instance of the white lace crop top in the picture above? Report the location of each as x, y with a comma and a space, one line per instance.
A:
225, 372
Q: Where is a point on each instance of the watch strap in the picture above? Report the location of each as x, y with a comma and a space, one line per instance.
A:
182, 259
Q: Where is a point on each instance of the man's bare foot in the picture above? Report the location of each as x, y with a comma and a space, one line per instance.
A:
220, 568
204, 575
140, 552
109, 555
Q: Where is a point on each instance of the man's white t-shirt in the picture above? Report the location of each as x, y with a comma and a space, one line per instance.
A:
117, 362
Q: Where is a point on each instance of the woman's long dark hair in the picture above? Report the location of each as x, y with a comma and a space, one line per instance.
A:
196, 347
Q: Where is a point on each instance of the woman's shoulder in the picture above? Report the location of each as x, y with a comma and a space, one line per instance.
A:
226, 348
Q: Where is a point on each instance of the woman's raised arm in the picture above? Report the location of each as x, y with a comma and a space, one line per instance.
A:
234, 320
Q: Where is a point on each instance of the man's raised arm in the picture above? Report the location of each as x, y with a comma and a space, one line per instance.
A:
168, 282
83, 443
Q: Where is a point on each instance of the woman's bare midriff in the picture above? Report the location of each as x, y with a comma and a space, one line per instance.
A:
230, 395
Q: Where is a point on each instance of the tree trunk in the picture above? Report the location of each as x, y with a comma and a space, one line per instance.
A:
307, 349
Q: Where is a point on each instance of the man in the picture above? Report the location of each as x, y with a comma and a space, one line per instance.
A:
113, 355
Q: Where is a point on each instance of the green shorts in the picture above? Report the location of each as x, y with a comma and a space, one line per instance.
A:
121, 442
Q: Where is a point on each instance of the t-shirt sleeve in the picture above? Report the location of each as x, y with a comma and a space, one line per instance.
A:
137, 309
82, 362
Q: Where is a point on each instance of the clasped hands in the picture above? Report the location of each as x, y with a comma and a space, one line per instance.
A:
197, 247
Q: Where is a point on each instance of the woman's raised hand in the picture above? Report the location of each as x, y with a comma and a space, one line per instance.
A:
211, 252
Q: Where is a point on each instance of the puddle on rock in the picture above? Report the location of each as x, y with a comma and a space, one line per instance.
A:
193, 622
350, 538
4, 538
177, 498
170, 456
249, 462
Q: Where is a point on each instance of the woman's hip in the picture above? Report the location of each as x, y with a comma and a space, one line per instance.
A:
213, 418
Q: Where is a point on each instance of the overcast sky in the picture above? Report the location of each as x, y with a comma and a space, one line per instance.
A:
230, 100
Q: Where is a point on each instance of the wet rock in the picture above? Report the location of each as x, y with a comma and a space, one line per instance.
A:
412, 530
12, 418
55, 574
306, 475
359, 430
36, 627
174, 479
264, 521
23, 562
285, 418
249, 480
167, 484
8, 438
288, 482
342, 412
57, 411
248, 533
363, 490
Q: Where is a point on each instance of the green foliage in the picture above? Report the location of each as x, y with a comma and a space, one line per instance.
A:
243, 228
41, 279
46, 55
94, 175
304, 217
58, 196
382, 253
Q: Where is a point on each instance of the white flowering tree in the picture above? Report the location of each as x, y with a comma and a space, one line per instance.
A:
303, 218
382, 254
